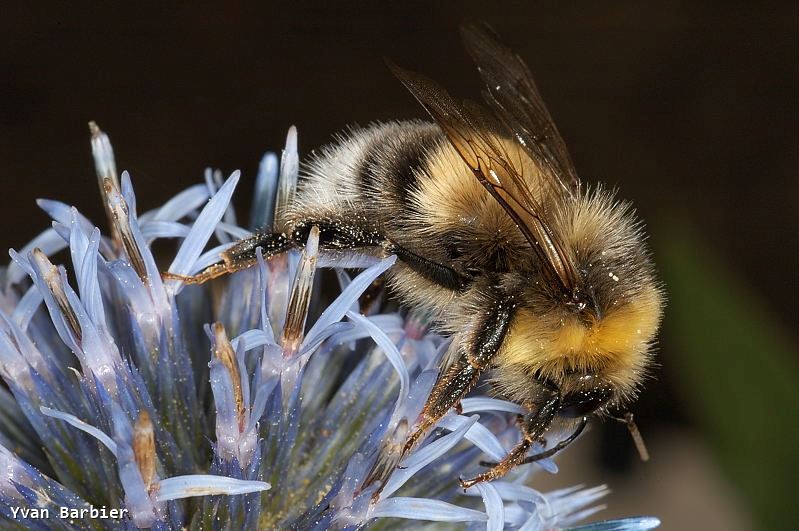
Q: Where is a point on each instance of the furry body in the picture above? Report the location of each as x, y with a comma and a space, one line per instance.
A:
404, 182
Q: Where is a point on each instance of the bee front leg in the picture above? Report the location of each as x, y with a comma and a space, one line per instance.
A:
533, 427
477, 352
239, 256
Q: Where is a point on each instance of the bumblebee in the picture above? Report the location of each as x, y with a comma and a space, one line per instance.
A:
545, 284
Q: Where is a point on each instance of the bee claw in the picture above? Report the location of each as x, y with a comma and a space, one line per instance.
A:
468, 483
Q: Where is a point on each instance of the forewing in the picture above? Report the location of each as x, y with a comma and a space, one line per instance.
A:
513, 95
475, 136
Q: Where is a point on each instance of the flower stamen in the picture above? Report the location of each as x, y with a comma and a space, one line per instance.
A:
106, 168
144, 449
53, 279
223, 350
120, 220
300, 299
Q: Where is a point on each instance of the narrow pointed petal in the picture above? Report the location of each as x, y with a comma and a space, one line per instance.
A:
638, 523
75, 421
263, 199
426, 509
27, 307
342, 304
494, 507
478, 434
289, 170
179, 487
482, 403
390, 350
178, 207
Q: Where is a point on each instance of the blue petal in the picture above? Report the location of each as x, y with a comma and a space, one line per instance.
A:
339, 330
637, 523
478, 435
342, 304
425, 509
153, 273
85, 255
582, 515
494, 507
75, 421
233, 230
346, 260
262, 394
263, 275
289, 170
263, 199
179, 487
13, 367
483, 403
251, 339
178, 207
26, 307
570, 500
514, 492
227, 422
390, 350
547, 464
153, 230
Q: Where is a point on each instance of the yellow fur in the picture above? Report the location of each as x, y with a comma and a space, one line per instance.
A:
615, 347
454, 197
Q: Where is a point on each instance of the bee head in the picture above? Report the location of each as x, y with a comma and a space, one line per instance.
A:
595, 349
593, 338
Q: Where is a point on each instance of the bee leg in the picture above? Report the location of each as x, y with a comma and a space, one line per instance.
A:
447, 392
558, 447
440, 274
240, 256
334, 235
462, 375
533, 426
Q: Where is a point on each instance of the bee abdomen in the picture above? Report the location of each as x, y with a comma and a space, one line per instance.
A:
394, 159
369, 174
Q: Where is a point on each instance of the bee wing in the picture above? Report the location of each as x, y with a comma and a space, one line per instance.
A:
513, 95
475, 135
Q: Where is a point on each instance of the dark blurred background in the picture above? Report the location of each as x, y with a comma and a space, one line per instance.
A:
691, 111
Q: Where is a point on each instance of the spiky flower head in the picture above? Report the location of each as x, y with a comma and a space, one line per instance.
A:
224, 406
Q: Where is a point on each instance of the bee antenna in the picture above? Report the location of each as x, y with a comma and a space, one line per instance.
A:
627, 419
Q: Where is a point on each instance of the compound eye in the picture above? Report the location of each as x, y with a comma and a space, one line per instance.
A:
592, 395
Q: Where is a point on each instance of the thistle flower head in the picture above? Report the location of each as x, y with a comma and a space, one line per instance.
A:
231, 404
